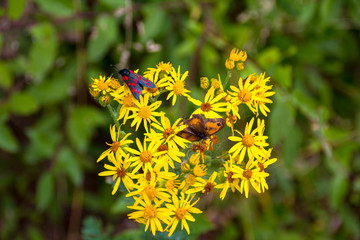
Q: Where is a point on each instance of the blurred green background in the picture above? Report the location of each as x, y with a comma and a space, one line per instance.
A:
52, 131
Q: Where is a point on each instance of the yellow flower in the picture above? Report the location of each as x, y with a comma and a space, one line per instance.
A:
200, 170
230, 182
177, 85
229, 64
251, 174
249, 142
237, 55
118, 145
204, 186
204, 82
263, 94
145, 157
211, 104
168, 133
101, 84
127, 102
189, 180
144, 112
150, 215
160, 81
182, 212
263, 163
245, 93
240, 66
167, 67
120, 172
150, 190
168, 156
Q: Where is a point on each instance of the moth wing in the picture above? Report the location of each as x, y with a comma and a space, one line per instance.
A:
196, 123
131, 80
213, 125
188, 134
145, 82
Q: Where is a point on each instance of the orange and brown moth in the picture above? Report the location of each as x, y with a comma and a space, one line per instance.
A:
199, 128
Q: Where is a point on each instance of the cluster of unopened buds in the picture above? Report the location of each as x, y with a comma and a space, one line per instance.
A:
167, 161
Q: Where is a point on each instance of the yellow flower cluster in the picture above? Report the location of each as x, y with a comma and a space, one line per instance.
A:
236, 57
164, 169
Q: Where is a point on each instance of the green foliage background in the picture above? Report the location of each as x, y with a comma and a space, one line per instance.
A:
52, 131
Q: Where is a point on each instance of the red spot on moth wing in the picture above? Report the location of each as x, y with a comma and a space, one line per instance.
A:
136, 80
138, 92
148, 84
125, 78
131, 72
133, 90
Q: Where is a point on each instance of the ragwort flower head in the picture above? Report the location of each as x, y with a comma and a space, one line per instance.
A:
177, 85
181, 210
152, 215
144, 113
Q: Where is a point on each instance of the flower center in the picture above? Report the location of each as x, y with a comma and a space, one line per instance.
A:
180, 213
208, 188
247, 174
190, 179
128, 101
248, 140
179, 88
145, 112
103, 85
229, 177
121, 172
168, 132
206, 107
150, 212
145, 156
150, 192
244, 95
115, 146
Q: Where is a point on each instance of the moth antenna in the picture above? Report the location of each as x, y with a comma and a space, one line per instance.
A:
114, 66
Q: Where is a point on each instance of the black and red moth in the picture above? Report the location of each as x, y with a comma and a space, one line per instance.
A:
135, 82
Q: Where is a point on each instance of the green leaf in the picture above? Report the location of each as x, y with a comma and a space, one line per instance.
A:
45, 190
269, 57
69, 163
81, 125
120, 205
283, 75
44, 137
135, 234
56, 88
16, 8
282, 119
292, 146
22, 103
59, 8
155, 24
339, 189
8, 142
42, 51
105, 35
93, 229
6, 78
